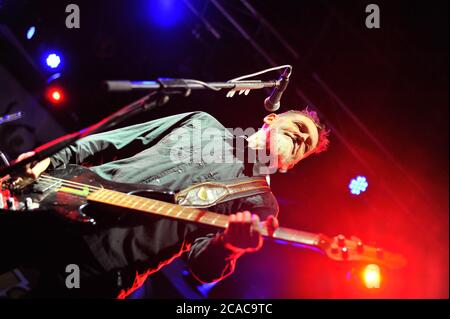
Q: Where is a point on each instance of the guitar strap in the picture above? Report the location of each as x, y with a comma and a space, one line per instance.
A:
207, 194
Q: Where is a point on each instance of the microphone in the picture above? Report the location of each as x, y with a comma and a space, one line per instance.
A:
272, 103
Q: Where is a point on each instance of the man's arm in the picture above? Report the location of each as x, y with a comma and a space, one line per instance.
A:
120, 143
104, 147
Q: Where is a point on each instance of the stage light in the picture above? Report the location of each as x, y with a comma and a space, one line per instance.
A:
372, 276
166, 13
206, 288
53, 60
53, 77
55, 95
30, 32
358, 185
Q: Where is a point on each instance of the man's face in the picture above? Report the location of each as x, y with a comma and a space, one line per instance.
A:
290, 138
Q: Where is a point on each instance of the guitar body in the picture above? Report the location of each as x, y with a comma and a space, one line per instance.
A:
59, 192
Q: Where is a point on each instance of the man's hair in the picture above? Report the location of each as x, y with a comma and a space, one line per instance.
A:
324, 132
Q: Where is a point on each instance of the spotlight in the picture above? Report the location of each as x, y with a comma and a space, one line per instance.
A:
206, 288
30, 32
358, 185
53, 60
372, 276
166, 13
55, 95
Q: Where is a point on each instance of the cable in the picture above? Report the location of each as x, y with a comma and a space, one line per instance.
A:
206, 85
263, 71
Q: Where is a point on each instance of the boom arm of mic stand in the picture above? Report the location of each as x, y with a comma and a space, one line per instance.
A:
147, 102
185, 84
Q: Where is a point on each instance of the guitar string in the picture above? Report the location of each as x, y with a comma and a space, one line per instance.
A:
208, 219
59, 184
224, 219
49, 182
67, 181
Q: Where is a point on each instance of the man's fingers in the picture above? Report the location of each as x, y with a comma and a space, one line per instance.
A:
256, 225
40, 167
272, 222
24, 155
247, 217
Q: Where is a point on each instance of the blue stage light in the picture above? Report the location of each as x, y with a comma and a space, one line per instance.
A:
205, 289
30, 32
166, 13
53, 60
358, 185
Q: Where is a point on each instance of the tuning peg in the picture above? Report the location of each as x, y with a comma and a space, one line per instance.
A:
10, 203
344, 252
241, 92
360, 247
28, 203
380, 253
341, 240
246, 92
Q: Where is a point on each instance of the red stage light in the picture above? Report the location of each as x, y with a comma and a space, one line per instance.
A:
55, 95
372, 276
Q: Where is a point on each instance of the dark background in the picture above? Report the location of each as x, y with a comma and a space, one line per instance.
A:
383, 92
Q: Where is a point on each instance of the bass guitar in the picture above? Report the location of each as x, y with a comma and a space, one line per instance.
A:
74, 191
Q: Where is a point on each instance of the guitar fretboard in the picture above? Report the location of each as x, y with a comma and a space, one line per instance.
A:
195, 215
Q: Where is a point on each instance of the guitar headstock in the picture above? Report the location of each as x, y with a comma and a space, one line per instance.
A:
353, 249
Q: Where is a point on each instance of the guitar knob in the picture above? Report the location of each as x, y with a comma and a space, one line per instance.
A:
10, 203
28, 203
344, 252
341, 240
359, 247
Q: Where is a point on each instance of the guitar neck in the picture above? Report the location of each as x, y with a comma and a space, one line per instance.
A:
194, 215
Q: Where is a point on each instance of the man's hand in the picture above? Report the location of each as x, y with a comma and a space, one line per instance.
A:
243, 233
35, 169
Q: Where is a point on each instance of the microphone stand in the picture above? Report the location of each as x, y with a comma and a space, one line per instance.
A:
159, 95
147, 102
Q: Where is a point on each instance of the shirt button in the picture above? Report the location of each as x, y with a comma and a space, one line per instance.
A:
179, 170
157, 180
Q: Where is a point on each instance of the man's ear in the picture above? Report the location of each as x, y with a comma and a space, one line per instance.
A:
269, 118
